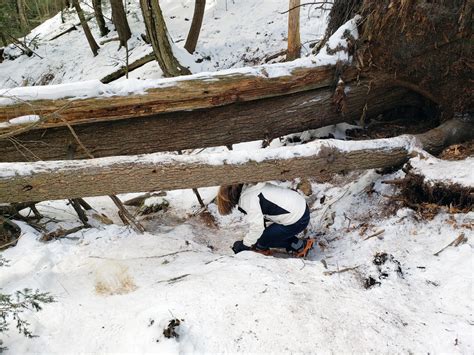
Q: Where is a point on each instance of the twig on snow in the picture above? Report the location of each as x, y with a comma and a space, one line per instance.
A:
329, 273
376, 234
459, 240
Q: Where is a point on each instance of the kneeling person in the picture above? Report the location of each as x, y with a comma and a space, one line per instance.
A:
275, 215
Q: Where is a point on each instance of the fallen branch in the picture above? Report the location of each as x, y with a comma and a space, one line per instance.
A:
375, 234
320, 6
109, 40
174, 279
70, 29
340, 271
459, 240
123, 70
61, 233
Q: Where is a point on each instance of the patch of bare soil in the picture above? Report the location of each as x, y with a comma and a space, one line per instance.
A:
172, 330
385, 265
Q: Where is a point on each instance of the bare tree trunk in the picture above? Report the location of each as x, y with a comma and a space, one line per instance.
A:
97, 4
158, 35
119, 17
195, 29
20, 6
3, 39
294, 41
90, 38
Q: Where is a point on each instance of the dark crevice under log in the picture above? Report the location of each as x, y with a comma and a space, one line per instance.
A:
219, 126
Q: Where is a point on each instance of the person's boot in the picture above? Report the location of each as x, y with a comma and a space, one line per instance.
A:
262, 250
300, 248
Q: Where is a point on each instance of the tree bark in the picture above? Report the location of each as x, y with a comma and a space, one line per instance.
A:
181, 95
158, 36
68, 179
219, 126
20, 6
455, 131
119, 18
195, 29
90, 38
294, 41
3, 40
99, 17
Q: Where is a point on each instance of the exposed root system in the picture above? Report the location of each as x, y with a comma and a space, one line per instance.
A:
429, 198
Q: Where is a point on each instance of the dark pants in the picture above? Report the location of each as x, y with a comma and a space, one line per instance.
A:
280, 236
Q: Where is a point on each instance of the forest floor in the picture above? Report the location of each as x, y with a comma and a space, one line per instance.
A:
373, 284
117, 291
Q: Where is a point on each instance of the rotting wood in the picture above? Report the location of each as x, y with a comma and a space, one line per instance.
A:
70, 179
219, 126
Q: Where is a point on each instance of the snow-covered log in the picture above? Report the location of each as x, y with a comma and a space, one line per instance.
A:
68, 179
215, 126
92, 101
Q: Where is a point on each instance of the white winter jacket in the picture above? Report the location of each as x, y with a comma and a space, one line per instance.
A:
266, 201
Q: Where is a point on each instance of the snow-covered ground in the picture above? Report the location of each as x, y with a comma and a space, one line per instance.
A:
373, 284
235, 33
116, 291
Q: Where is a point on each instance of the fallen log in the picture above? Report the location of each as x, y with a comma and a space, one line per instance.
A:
41, 181
123, 70
192, 92
218, 126
70, 29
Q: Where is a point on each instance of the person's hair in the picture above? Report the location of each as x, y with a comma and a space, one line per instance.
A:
228, 197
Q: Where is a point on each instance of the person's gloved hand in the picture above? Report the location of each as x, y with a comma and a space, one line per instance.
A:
240, 246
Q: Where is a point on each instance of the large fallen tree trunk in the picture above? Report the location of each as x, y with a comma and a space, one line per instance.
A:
20, 182
244, 121
193, 92
68, 179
